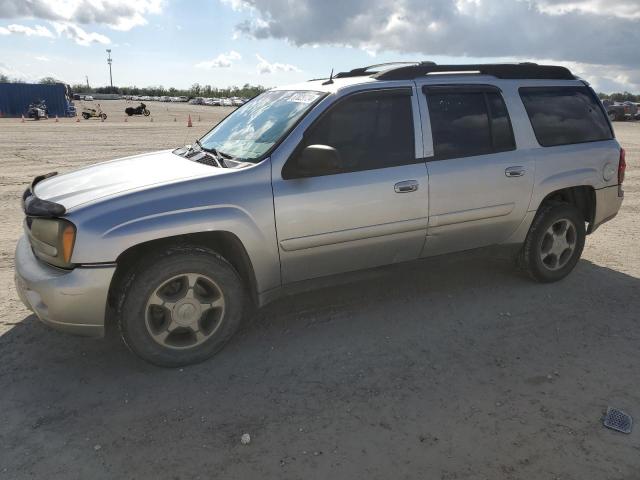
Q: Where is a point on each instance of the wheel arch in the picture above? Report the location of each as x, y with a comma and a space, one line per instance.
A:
225, 243
583, 197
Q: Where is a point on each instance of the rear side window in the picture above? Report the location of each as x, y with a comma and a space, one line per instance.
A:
565, 115
468, 123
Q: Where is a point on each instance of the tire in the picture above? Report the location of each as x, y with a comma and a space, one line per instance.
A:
104, 116
146, 112
545, 239
143, 322
612, 116
86, 116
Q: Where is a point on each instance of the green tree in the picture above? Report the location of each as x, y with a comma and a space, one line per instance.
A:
49, 81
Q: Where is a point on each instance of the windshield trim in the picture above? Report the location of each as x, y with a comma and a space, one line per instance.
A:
283, 137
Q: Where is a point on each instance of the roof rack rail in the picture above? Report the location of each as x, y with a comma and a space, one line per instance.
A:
500, 70
365, 71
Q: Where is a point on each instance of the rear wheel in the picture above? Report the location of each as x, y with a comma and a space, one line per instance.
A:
554, 243
181, 307
86, 116
104, 116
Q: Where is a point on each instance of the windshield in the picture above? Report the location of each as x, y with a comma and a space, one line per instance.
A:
258, 125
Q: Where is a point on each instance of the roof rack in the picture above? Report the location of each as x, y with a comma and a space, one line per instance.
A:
499, 70
365, 71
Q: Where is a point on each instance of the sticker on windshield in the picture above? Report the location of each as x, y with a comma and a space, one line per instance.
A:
303, 97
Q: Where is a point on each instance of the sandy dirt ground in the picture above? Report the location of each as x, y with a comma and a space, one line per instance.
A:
450, 368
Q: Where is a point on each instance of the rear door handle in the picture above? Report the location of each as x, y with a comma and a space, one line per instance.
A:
406, 186
514, 172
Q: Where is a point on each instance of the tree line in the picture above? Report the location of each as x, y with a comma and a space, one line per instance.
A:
196, 90
246, 91
620, 97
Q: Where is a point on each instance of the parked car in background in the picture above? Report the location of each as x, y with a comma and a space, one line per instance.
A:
372, 167
88, 98
620, 111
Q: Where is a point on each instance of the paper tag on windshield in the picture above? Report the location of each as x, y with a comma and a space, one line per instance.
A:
303, 97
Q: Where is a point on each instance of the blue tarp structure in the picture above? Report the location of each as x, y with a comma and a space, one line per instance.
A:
16, 97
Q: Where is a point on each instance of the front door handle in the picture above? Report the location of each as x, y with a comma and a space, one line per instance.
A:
514, 172
407, 186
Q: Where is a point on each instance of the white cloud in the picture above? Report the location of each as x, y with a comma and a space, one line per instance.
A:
36, 31
224, 60
116, 14
598, 32
265, 66
42, 58
617, 8
237, 5
13, 73
79, 35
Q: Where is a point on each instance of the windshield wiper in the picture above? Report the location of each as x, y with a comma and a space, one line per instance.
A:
217, 155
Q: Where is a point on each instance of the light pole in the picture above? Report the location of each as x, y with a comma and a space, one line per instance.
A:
109, 62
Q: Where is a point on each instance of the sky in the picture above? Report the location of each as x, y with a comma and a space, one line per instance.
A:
176, 43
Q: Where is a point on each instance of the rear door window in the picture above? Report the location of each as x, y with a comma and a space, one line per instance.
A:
565, 115
469, 122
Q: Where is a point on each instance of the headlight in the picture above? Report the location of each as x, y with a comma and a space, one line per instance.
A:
52, 240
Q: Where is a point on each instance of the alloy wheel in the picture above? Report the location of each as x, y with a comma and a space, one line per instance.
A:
184, 311
558, 244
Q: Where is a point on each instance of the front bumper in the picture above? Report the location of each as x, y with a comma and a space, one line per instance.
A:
72, 301
608, 202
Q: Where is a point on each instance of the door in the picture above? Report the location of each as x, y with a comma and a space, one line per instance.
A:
480, 184
369, 207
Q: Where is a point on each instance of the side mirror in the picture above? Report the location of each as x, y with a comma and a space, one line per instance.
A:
319, 160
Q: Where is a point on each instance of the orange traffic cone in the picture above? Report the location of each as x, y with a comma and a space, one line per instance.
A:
22, 121
125, 119
77, 119
189, 124
57, 119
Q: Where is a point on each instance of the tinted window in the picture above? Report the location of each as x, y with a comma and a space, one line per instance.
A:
464, 124
369, 131
565, 115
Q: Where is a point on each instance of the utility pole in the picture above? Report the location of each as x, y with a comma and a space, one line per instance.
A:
109, 62
87, 79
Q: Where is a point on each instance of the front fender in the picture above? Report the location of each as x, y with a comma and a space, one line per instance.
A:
241, 204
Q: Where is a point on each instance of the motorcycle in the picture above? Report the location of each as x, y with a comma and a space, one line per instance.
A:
38, 110
139, 110
97, 112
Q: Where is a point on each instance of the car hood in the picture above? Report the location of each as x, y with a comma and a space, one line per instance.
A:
122, 175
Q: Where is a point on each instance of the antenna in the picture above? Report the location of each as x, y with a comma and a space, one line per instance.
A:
330, 81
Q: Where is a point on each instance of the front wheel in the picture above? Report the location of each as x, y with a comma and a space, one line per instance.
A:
146, 112
181, 307
104, 116
554, 243
86, 116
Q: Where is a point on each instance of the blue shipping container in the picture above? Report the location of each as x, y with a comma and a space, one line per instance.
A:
16, 97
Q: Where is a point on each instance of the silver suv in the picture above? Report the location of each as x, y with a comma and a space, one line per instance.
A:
373, 166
